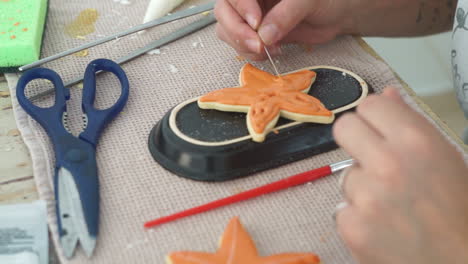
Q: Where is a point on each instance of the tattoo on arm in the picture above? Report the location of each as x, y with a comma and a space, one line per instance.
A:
420, 10
435, 15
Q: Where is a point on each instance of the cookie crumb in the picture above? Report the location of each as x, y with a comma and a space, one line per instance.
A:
200, 42
13, 133
4, 94
82, 53
155, 51
22, 164
173, 68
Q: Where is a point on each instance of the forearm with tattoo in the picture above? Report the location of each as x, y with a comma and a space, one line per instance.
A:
394, 18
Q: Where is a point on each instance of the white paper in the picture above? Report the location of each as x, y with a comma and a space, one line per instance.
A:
23, 233
24, 257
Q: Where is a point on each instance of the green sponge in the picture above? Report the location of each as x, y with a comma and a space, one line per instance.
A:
21, 29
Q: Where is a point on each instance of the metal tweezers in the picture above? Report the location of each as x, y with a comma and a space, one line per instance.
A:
206, 21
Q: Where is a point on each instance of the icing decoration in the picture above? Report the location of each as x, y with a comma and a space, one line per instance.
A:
83, 24
237, 247
159, 8
265, 97
82, 53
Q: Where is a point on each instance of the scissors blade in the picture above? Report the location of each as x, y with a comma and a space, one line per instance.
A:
163, 20
71, 216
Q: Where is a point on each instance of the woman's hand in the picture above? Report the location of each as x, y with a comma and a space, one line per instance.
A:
408, 194
247, 25
278, 22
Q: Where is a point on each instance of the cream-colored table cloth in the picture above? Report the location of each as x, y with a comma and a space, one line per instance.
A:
134, 188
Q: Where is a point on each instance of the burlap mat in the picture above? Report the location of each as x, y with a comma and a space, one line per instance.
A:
134, 188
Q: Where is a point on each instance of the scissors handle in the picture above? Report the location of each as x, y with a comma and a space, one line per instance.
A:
50, 118
98, 119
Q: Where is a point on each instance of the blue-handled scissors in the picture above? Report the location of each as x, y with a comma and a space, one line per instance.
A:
76, 177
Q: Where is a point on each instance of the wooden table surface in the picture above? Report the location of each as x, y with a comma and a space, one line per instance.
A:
16, 176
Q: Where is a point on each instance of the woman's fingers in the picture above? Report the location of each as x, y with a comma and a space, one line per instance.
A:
305, 33
241, 35
391, 117
224, 36
249, 10
358, 138
282, 18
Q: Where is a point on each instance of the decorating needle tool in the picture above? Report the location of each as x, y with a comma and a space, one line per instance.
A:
264, 11
271, 60
265, 189
206, 21
163, 20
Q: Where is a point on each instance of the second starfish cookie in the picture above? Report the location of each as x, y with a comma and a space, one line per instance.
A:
238, 248
266, 97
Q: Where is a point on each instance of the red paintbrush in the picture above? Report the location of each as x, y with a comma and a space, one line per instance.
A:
269, 188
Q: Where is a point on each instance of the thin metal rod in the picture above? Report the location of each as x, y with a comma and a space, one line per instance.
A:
208, 20
156, 22
271, 60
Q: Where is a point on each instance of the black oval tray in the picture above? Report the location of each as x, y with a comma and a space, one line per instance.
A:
216, 161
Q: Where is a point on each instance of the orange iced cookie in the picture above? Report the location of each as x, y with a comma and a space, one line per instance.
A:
238, 248
266, 97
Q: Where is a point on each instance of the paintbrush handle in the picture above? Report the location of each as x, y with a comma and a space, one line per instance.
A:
265, 189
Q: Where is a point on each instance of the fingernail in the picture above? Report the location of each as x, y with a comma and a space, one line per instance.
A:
253, 45
338, 208
341, 206
268, 33
252, 21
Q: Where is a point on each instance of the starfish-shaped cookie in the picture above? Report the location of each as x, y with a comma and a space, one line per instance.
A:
266, 97
238, 248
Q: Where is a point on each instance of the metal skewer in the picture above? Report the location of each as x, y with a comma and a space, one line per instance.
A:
156, 22
208, 20
271, 60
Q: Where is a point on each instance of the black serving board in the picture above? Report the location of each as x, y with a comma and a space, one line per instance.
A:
220, 163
